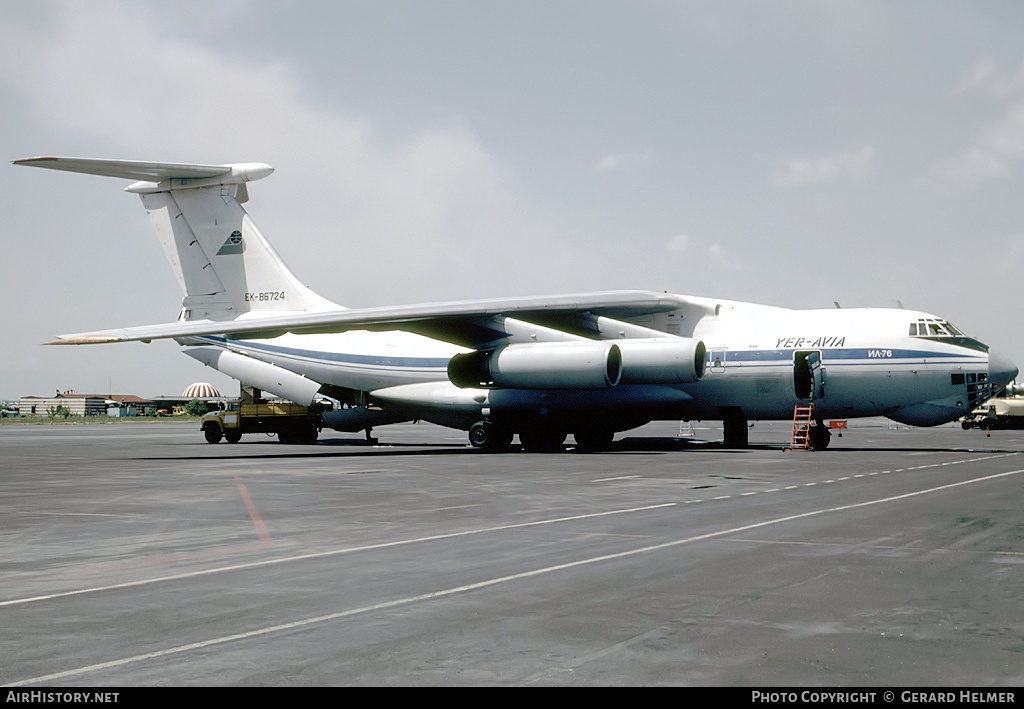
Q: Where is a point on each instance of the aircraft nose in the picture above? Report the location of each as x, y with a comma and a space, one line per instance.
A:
1001, 371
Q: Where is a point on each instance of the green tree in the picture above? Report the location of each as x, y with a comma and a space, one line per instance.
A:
195, 408
59, 410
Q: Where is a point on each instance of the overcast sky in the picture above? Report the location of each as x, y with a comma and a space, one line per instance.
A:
789, 152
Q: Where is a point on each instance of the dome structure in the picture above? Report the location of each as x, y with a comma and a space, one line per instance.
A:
201, 390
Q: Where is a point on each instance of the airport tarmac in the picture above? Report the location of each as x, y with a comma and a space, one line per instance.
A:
139, 555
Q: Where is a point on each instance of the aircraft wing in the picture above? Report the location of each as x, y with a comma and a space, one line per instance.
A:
465, 323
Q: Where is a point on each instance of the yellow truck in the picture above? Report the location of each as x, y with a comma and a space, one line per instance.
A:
291, 422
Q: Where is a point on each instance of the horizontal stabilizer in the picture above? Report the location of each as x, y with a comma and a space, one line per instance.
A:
128, 169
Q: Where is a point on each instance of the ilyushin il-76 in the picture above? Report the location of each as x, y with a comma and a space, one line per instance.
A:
590, 365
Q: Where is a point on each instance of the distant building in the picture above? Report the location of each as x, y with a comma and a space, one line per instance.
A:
81, 404
77, 404
120, 404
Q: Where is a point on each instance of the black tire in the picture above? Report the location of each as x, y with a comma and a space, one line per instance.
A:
598, 439
820, 436
480, 434
483, 434
542, 440
213, 434
233, 435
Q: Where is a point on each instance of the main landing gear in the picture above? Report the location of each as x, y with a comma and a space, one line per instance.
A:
594, 439
542, 440
734, 423
537, 439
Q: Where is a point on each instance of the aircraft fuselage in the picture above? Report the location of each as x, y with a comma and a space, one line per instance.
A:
761, 362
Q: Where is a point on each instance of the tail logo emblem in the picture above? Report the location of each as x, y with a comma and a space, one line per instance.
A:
234, 244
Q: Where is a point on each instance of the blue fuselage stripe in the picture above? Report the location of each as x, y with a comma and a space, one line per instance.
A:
872, 354
334, 357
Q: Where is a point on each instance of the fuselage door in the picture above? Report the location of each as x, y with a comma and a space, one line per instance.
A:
717, 361
808, 375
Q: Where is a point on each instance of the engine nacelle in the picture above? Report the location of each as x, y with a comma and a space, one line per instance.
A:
540, 365
1014, 389
676, 360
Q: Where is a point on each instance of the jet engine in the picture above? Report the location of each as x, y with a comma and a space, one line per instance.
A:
677, 360
540, 365
581, 365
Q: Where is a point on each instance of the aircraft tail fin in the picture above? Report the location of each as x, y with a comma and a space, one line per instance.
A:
223, 262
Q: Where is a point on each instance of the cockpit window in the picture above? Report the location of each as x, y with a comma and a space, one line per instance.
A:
942, 331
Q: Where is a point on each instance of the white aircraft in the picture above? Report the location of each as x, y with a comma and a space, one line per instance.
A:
591, 364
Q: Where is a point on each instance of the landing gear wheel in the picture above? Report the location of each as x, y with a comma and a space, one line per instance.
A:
483, 434
820, 436
212, 435
480, 434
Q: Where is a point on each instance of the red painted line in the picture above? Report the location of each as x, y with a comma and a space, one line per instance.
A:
261, 529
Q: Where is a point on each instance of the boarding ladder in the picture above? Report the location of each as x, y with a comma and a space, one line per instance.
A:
803, 415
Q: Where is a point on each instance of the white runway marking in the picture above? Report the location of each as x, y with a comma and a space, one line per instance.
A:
333, 552
498, 580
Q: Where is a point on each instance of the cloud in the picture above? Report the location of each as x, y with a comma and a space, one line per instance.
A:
432, 199
105, 72
613, 162
997, 147
986, 76
804, 171
974, 165
680, 243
